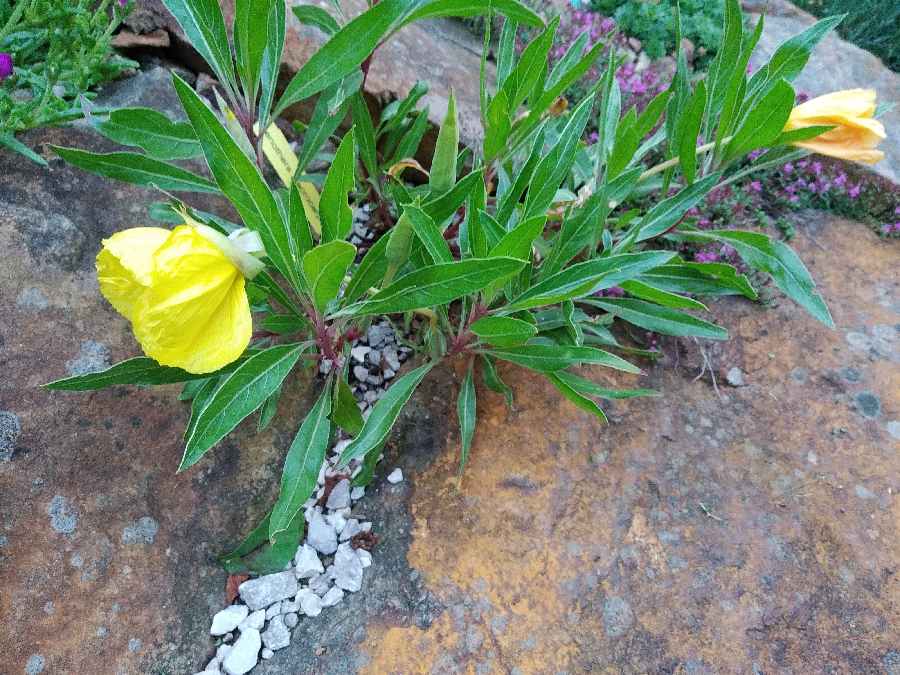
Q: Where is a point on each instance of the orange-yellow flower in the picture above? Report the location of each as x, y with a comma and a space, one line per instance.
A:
856, 133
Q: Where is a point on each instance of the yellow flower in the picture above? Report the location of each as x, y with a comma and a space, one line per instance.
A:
183, 291
856, 133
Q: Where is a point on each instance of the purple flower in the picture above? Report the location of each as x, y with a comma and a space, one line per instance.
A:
788, 168
854, 191
6, 65
755, 186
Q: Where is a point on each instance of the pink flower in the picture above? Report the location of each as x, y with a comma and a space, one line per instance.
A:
6, 65
755, 186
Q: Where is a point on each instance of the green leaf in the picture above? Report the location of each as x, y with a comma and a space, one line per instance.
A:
240, 394
316, 16
336, 214
588, 277
790, 58
140, 370
369, 272
688, 129
549, 358
659, 319
383, 416
503, 331
700, 279
271, 63
344, 51
251, 28
326, 117
665, 215
436, 285
645, 291
779, 261
517, 243
443, 207
345, 413
12, 143
239, 178
765, 121
443, 166
256, 555
153, 132
268, 411
324, 268
467, 8
587, 387
284, 324
506, 53
204, 26
412, 139
498, 125
576, 397
429, 234
365, 134
131, 167
465, 410
302, 464
492, 378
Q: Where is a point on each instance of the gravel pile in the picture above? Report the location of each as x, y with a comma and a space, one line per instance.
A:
335, 553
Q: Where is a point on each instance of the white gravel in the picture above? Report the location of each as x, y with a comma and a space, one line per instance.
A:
245, 653
228, 619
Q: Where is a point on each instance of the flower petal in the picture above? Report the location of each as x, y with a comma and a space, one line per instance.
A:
195, 315
125, 263
847, 103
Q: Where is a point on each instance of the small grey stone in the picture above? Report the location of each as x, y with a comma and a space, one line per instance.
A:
310, 603
141, 531
371, 397
377, 334
735, 377
32, 298
222, 651
361, 373
332, 597
269, 589
364, 557
63, 517
350, 529
868, 404
244, 655
307, 562
320, 584
267, 653
273, 611
134, 645
255, 620
228, 619
617, 616
359, 491
36, 664
359, 352
395, 476
375, 380
276, 636
348, 569
391, 358
389, 374
336, 520
340, 496
290, 619
321, 535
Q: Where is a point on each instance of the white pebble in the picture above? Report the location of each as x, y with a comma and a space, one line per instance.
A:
350, 529
395, 476
267, 653
321, 535
244, 655
348, 569
255, 620
332, 597
337, 521
290, 620
276, 636
273, 611
357, 493
359, 353
364, 557
268, 589
340, 496
310, 603
307, 562
228, 619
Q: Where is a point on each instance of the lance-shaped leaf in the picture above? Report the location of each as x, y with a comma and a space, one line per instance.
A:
302, 464
588, 277
658, 319
204, 26
503, 331
344, 411
255, 554
344, 51
324, 268
549, 358
316, 16
779, 261
271, 62
130, 167
140, 370
765, 121
436, 285
153, 132
467, 8
251, 36
576, 397
239, 178
590, 388
665, 214
466, 410
443, 166
369, 272
381, 420
334, 210
240, 394
429, 234
700, 279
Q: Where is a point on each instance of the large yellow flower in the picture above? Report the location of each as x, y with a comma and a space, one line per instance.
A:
856, 133
183, 291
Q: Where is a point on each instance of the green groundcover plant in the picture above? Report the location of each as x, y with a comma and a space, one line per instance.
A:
504, 254
51, 54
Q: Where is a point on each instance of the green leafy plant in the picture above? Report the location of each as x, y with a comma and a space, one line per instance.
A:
51, 54
506, 254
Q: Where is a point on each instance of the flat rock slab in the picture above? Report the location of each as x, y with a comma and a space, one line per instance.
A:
835, 64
